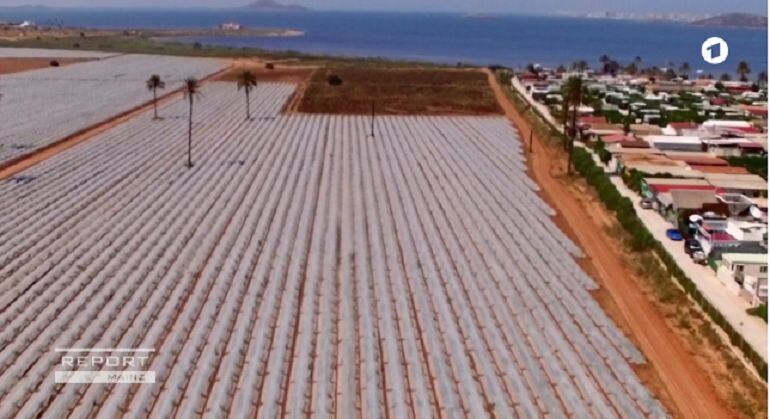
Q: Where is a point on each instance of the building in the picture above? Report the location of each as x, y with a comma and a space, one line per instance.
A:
654, 186
750, 185
746, 274
230, 26
675, 142
717, 126
716, 237
677, 205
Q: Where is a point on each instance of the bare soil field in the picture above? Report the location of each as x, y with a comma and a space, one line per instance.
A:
399, 92
687, 374
18, 65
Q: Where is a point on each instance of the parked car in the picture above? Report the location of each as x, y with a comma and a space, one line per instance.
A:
699, 257
691, 246
674, 234
646, 203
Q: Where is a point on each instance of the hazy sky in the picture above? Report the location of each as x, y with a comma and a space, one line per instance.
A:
498, 6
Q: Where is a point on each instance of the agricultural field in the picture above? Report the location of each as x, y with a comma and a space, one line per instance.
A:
49, 104
302, 266
52, 53
399, 91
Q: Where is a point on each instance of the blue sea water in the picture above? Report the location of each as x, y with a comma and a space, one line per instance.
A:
512, 40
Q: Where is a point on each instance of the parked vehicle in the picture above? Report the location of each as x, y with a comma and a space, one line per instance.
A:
691, 246
674, 235
646, 203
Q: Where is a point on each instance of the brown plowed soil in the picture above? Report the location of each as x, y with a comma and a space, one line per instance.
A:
18, 65
672, 372
399, 91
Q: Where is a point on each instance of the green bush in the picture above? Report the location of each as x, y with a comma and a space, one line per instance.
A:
759, 311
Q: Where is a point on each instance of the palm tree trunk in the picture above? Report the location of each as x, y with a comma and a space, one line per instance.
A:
189, 135
155, 102
248, 106
571, 142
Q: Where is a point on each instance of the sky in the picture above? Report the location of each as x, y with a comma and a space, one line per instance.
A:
483, 6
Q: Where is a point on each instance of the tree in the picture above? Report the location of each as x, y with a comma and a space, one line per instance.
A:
632, 69
627, 121
153, 84
191, 91
638, 61
743, 70
561, 69
247, 81
762, 78
604, 59
725, 77
684, 70
573, 96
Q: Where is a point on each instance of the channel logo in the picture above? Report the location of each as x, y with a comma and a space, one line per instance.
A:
715, 50
104, 366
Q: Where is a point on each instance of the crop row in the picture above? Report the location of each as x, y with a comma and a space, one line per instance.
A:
42, 106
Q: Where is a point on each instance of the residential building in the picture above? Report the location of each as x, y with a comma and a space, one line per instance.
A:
747, 273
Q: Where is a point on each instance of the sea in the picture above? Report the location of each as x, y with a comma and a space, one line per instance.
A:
447, 38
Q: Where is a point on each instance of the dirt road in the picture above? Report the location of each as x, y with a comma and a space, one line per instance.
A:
687, 389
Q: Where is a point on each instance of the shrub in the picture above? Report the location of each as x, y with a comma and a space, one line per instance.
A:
270, 66
759, 311
54, 63
334, 80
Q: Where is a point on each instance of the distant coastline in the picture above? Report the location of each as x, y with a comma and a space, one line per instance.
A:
734, 20
444, 38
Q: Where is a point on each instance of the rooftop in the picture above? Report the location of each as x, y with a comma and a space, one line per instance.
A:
749, 258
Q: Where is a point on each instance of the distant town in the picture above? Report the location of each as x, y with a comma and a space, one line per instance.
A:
702, 19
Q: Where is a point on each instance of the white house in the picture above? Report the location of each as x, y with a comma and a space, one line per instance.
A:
674, 142
230, 26
745, 273
718, 126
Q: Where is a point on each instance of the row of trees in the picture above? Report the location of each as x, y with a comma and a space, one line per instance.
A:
246, 81
635, 67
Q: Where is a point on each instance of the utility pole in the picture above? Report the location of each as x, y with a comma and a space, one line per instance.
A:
531, 134
372, 119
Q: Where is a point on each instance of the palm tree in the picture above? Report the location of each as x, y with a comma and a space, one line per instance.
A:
573, 96
761, 79
684, 69
191, 90
743, 70
153, 84
247, 81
